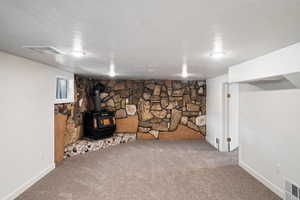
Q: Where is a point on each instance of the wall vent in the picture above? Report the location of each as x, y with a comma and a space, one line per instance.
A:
44, 50
292, 191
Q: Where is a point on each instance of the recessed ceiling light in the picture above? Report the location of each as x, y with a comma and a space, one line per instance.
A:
184, 72
184, 75
217, 54
112, 72
78, 54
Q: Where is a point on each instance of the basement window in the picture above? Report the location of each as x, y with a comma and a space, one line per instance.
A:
64, 90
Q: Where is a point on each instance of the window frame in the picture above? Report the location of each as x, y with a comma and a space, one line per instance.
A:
70, 90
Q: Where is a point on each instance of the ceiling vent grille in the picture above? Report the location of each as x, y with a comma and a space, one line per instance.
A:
44, 50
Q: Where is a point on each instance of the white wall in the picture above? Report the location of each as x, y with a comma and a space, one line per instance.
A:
281, 62
214, 110
27, 91
269, 135
269, 119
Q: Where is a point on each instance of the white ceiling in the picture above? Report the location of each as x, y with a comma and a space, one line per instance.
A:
148, 38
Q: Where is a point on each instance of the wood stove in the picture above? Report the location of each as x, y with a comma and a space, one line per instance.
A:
99, 123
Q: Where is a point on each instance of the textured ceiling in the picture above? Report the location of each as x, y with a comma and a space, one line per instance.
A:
148, 39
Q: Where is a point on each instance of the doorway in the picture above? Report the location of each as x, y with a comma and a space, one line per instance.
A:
230, 115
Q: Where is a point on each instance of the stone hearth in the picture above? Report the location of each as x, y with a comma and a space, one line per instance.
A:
86, 145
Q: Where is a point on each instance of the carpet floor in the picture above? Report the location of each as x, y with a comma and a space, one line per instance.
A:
150, 170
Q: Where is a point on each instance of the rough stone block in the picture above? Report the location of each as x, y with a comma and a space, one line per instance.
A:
178, 92
117, 98
190, 114
110, 103
119, 86
144, 110
168, 83
131, 109
144, 130
146, 124
157, 90
177, 85
184, 120
120, 114
201, 120
162, 126
156, 106
172, 105
159, 114
193, 107
193, 126
155, 99
155, 120
164, 103
103, 95
175, 119
146, 96
155, 133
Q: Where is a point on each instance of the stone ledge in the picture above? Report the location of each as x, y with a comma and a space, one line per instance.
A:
86, 145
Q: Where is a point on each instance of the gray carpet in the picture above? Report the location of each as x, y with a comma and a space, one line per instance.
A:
150, 170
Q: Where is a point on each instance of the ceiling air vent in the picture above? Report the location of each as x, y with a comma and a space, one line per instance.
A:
45, 50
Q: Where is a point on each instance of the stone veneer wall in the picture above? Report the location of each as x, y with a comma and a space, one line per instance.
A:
149, 108
73, 130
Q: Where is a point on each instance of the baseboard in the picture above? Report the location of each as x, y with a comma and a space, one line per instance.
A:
277, 190
209, 142
213, 145
29, 183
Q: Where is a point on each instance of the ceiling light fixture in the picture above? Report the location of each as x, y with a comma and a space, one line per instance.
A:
184, 72
112, 72
78, 54
77, 50
217, 54
218, 50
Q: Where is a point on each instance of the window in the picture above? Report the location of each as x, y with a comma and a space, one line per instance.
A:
64, 90
61, 88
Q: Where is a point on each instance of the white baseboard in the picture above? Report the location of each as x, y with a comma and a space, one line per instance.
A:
29, 183
214, 145
277, 190
210, 142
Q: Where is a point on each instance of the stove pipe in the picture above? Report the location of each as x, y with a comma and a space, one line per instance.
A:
98, 88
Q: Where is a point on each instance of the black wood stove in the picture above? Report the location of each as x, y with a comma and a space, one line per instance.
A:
99, 123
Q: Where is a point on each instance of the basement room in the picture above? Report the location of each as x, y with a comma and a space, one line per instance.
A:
150, 100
